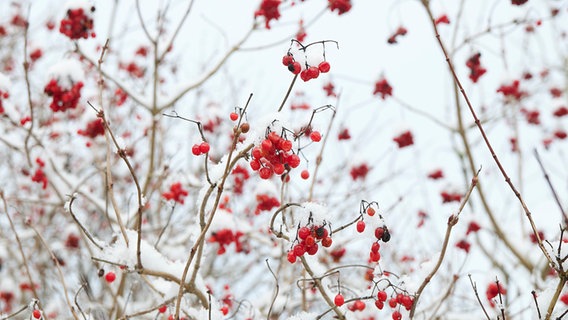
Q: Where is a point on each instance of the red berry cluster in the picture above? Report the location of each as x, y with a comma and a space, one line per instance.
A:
77, 25
512, 91
309, 237
63, 99
225, 237
357, 305
94, 128
265, 203
176, 193
39, 176
359, 171
199, 149
464, 245
240, 175
383, 88
400, 31
133, 69
532, 116
401, 299
310, 72
273, 156
443, 19
493, 289
475, 68
3, 95
405, 139
269, 10
450, 196
342, 6
436, 174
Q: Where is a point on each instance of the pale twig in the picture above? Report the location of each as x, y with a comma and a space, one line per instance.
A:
552, 189
452, 221
60, 272
276, 290
20, 247
474, 286
81, 226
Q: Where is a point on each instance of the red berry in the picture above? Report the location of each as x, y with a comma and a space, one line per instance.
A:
234, 116
266, 145
287, 60
293, 160
393, 302
255, 164
396, 315
305, 174
265, 173
326, 242
339, 300
380, 305
204, 147
163, 309
291, 256
359, 305
297, 67
324, 67
311, 250
375, 256
379, 233
315, 136
37, 314
110, 277
303, 233
225, 310
370, 211
375, 247
299, 250
310, 241
304, 75
278, 168
313, 72
286, 145
382, 296
360, 226
196, 150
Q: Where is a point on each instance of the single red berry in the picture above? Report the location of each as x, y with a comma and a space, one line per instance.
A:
37, 314
234, 116
396, 315
225, 310
293, 160
265, 173
379, 233
406, 301
204, 147
305, 174
286, 145
163, 309
393, 302
291, 256
375, 247
255, 164
339, 300
313, 72
287, 60
311, 250
110, 277
360, 226
315, 136
310, 241
370, 211
324, 67
278, 168
382, 296
359, 305
304, 75
380, 304
303, 233
374, 256
297, 67
326, 242
299, 250
266, 145
196, 150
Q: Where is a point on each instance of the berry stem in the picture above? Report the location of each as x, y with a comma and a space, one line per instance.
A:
288, 93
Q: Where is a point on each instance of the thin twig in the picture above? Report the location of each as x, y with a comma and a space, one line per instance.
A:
474, 286
552, 189
276, 290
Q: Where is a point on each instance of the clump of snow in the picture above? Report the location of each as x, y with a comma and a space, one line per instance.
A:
266, 187
314, 211
67, 73
303, 316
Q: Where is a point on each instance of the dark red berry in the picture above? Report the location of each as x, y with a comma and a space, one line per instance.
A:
324, 67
